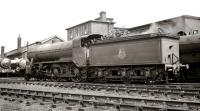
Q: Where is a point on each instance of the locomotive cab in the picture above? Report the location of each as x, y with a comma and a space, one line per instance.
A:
80, 52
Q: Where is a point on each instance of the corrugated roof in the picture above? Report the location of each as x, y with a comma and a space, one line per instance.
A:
14, 51
146, 25
47, 39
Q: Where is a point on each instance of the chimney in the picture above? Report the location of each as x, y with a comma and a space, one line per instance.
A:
19, 40
2, 51
102, 16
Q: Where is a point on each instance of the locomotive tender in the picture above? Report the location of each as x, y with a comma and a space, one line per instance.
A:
146, 58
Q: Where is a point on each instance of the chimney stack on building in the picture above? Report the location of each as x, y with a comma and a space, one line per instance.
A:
19, 40
103, 16
2, 51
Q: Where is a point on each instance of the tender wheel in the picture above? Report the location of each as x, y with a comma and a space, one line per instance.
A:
53, 77
27, 77
76, 79
102, 80
40, 76
126, 81
148, 81
76, 74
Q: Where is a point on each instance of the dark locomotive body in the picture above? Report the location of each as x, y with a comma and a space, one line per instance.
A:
50, 61
138, 58
146, 58
61, 51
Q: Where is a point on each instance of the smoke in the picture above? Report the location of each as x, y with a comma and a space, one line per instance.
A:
162, 27
154, 28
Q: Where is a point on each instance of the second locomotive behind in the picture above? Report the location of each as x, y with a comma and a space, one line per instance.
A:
12, 67
144, 58
190, 54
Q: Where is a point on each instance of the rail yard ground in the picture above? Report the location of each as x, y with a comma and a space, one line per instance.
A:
19, 95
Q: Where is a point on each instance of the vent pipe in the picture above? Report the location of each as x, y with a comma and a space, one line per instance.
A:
2, 51
19, 40
102, 16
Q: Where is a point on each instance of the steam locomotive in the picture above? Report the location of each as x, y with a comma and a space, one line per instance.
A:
141, 58
190, 54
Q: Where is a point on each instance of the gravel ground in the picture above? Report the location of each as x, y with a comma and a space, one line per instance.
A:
12, 104
62, 90
33, 105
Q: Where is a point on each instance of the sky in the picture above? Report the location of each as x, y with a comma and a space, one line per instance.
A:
36, 20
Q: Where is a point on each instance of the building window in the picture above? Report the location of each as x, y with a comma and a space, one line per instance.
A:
53, 41
70, 34
71, 37
181, 33
76, 32
85, 29
195, 31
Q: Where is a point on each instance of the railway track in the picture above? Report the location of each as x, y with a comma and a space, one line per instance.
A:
92, 99
185, 92
117, 96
